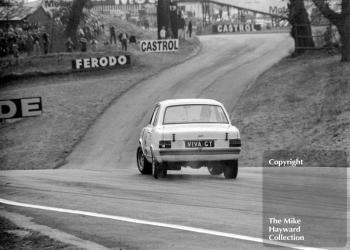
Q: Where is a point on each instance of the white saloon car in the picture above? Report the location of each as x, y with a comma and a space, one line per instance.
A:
189, 132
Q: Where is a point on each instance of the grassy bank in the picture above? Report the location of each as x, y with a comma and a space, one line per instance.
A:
70, 104
22, 232
302, 105
14, 237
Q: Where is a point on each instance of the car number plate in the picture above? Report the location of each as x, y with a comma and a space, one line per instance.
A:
200, 144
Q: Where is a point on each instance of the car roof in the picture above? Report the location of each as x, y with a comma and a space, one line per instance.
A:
171, 102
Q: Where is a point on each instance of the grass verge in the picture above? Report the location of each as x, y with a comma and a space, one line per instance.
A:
301, 104
14, 237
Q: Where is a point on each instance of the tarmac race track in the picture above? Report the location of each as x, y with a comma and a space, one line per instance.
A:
108, 202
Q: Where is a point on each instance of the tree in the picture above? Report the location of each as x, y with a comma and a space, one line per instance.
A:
6, 3
75, 17
301, 26
341, 20
11, 2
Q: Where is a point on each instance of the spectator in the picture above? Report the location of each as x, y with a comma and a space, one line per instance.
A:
181, 26
10, 29
87, 32
169, 34
69, 45
83, 44
132, 39
46, 42
94, 43
29, 44
36, 44
162, 33
15, 51
146, 24
113, 37
3, 45
81, 32
190, 28
123, 37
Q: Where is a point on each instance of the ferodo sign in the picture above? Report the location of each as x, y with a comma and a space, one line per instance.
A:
231, 28
18, 108
101, 62
159, 45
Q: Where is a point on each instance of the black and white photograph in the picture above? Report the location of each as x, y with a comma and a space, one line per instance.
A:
174, 124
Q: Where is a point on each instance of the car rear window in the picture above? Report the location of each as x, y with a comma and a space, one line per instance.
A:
194, 113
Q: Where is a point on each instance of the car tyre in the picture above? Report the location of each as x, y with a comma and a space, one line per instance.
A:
142, 164
164, 172
231, 170
215, 170
156, 171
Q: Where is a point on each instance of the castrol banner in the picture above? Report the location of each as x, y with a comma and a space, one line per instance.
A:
232, 28
166, 45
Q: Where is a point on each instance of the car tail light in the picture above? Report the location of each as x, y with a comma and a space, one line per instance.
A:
164, 144
235, 143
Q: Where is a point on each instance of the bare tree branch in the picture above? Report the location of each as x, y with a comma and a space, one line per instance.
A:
341, 21
345, 7
323, 6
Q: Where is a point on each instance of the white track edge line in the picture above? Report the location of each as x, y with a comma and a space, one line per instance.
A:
158, 224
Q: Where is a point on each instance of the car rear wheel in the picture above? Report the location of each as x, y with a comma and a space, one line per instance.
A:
231, 170
158, 170
155, 168
164, 172
142, 164
215, 170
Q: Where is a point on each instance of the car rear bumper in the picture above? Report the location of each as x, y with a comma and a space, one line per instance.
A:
188, 155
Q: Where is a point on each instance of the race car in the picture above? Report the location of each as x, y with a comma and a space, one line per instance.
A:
189, 133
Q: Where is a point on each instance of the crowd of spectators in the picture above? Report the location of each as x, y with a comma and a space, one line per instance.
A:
28, 39
87, 37
32, 39
124, 38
